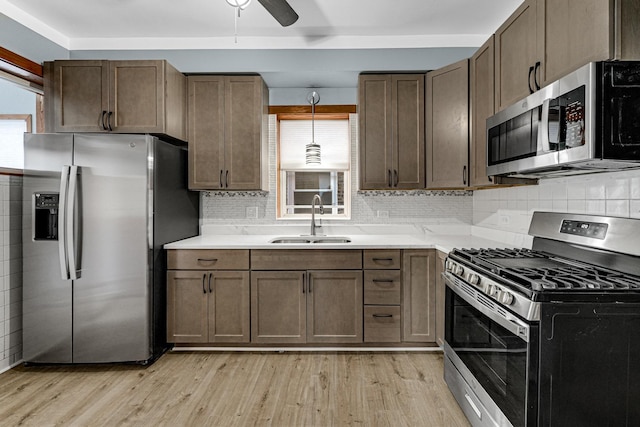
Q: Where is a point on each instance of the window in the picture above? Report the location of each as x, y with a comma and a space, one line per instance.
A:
299, 182
12, 129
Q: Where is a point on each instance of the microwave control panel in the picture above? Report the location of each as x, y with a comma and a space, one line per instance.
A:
574, 117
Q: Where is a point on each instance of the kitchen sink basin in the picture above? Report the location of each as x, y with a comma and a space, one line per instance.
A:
310, 239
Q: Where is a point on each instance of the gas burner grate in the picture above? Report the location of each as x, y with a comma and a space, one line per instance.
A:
572, 278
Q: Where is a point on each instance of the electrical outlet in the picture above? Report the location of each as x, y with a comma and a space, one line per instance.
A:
251, 212
383, 214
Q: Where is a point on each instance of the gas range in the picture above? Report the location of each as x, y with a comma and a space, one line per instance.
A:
545, 336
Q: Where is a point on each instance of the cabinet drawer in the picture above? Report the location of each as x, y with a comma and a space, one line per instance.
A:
382, 323
207, 259
312, 259
382, 287
382, 259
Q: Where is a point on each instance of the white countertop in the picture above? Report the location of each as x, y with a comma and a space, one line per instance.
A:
443, 238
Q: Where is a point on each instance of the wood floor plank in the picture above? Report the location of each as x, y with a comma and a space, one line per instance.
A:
236, 389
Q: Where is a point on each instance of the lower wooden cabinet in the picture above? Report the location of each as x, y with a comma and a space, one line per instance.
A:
295, 307
208, 306
419, 305
440, 292
263, 297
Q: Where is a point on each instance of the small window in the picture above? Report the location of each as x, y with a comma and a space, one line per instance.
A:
12, 130
299, 182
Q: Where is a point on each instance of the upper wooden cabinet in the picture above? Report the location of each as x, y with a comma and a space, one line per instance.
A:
115, 96
481, 107
447, 126
516, 55
546, 39
391, 128
227, 132
575, 32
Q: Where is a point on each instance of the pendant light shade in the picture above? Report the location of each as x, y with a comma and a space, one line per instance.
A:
313, 149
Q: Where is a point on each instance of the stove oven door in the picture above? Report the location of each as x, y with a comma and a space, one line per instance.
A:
493, 354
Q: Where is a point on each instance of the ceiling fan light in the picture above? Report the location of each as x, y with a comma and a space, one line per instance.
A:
240, 4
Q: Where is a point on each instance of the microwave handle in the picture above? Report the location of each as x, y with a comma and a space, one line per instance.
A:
543, 132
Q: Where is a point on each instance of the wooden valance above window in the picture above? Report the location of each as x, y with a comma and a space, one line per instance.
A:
21, 67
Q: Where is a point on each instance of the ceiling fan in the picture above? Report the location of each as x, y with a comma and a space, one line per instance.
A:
279, 9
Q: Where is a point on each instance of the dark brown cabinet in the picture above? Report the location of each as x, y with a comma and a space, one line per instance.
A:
481, 107
115, 96
419, 296
318, 305
447, 126
227, 132
391, 128
205, 302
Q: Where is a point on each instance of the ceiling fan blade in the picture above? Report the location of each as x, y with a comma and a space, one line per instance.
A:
280, 10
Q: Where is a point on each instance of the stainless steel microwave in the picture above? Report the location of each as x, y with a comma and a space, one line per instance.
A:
588, 121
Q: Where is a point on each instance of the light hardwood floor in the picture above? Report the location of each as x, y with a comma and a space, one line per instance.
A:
236, 389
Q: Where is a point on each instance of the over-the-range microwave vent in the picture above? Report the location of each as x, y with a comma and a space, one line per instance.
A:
593, 166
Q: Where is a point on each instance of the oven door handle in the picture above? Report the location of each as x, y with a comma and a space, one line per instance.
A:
470, 295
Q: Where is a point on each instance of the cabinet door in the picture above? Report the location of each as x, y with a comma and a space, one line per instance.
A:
137, 96
81, 96
448, 126
375, 121
440, 293
516, 51
418, 282
334, 307
482, 106
573, 33
408, 131
228, 306
243, 132
186, 306
205, 113
278, 307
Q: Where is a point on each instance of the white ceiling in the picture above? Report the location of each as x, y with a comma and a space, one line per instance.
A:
331, 43
209, 24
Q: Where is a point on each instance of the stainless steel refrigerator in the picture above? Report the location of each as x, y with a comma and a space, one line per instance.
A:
97, 210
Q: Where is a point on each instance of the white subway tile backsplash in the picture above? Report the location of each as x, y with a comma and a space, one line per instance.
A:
596, 207
617, 208
616, 193
617, 189
634, 208
10, 270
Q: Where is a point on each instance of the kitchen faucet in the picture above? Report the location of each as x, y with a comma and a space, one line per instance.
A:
313, 212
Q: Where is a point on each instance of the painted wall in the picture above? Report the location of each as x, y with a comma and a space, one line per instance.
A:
15, 99
25, 42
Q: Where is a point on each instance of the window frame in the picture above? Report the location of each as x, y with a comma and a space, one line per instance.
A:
281, 174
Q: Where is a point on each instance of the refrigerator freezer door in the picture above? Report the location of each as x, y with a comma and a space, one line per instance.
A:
47, 298
111, 303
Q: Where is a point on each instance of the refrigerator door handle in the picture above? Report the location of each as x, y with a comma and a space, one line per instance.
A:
62, 224
71, 220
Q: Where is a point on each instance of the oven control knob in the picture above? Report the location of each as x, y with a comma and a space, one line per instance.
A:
491, 289
506, 298
449, 266
474, 279
459, 270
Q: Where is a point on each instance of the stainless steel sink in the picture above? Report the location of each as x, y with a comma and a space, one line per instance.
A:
310, 239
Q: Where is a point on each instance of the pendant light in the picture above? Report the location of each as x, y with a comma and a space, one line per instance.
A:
313, 149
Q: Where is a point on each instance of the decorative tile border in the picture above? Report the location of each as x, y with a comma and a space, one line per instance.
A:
235, 193
426, 193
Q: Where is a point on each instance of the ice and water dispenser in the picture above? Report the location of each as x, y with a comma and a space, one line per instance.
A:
45, 224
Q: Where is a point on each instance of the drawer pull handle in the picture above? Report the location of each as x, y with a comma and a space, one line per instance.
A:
383, 315
382, 281
207, 259
383, 259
